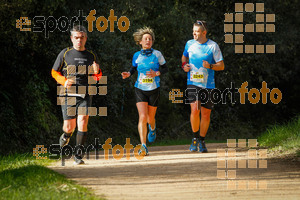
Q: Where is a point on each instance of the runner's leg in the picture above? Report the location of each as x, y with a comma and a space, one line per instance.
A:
69, 125
151, 116
205, 121
195, 116
142, 125
204, 124
151, 122
195, 123
82, 121
68, 128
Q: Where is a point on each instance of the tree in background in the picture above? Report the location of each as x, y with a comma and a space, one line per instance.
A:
29, 114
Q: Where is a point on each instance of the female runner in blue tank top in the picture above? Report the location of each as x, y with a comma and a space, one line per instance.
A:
150, 64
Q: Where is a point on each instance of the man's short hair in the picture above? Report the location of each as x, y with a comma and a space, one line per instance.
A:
78, 28
202, 25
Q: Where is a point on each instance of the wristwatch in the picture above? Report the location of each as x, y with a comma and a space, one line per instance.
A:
157, 73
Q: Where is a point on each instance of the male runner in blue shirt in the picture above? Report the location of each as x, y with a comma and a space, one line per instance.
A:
200, 59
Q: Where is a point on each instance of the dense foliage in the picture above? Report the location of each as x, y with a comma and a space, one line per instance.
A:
28, 111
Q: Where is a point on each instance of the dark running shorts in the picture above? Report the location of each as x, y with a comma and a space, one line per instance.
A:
73, 106
194, 93
147, 96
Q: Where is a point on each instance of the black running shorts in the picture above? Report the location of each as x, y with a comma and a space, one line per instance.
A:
147, 96
194, 93
73, 106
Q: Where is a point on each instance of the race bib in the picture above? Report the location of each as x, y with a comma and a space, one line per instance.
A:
197, 77
145, 79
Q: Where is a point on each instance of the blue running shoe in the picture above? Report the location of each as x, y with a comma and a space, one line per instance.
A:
202, 147
143, 150
194, 145
151, 134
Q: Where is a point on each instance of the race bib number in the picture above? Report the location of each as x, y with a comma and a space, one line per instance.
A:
197, 77
147, 80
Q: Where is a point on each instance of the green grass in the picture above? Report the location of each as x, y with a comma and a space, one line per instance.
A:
24, 177
283, 139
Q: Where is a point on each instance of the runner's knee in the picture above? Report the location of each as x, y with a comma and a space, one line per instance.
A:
82, 121
205, 115
195, 112
143, 118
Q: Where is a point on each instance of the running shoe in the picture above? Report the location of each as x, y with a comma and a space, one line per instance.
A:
144, 150
202, 147
194, 145
78, 160
63, 141
151, 134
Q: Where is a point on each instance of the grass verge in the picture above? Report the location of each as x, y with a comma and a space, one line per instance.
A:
283, 139
24, 177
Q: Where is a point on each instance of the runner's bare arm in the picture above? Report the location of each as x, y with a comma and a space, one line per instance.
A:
219, 66
127, 74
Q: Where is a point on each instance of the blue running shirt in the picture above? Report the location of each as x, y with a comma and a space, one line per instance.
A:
144, 63
197, 53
